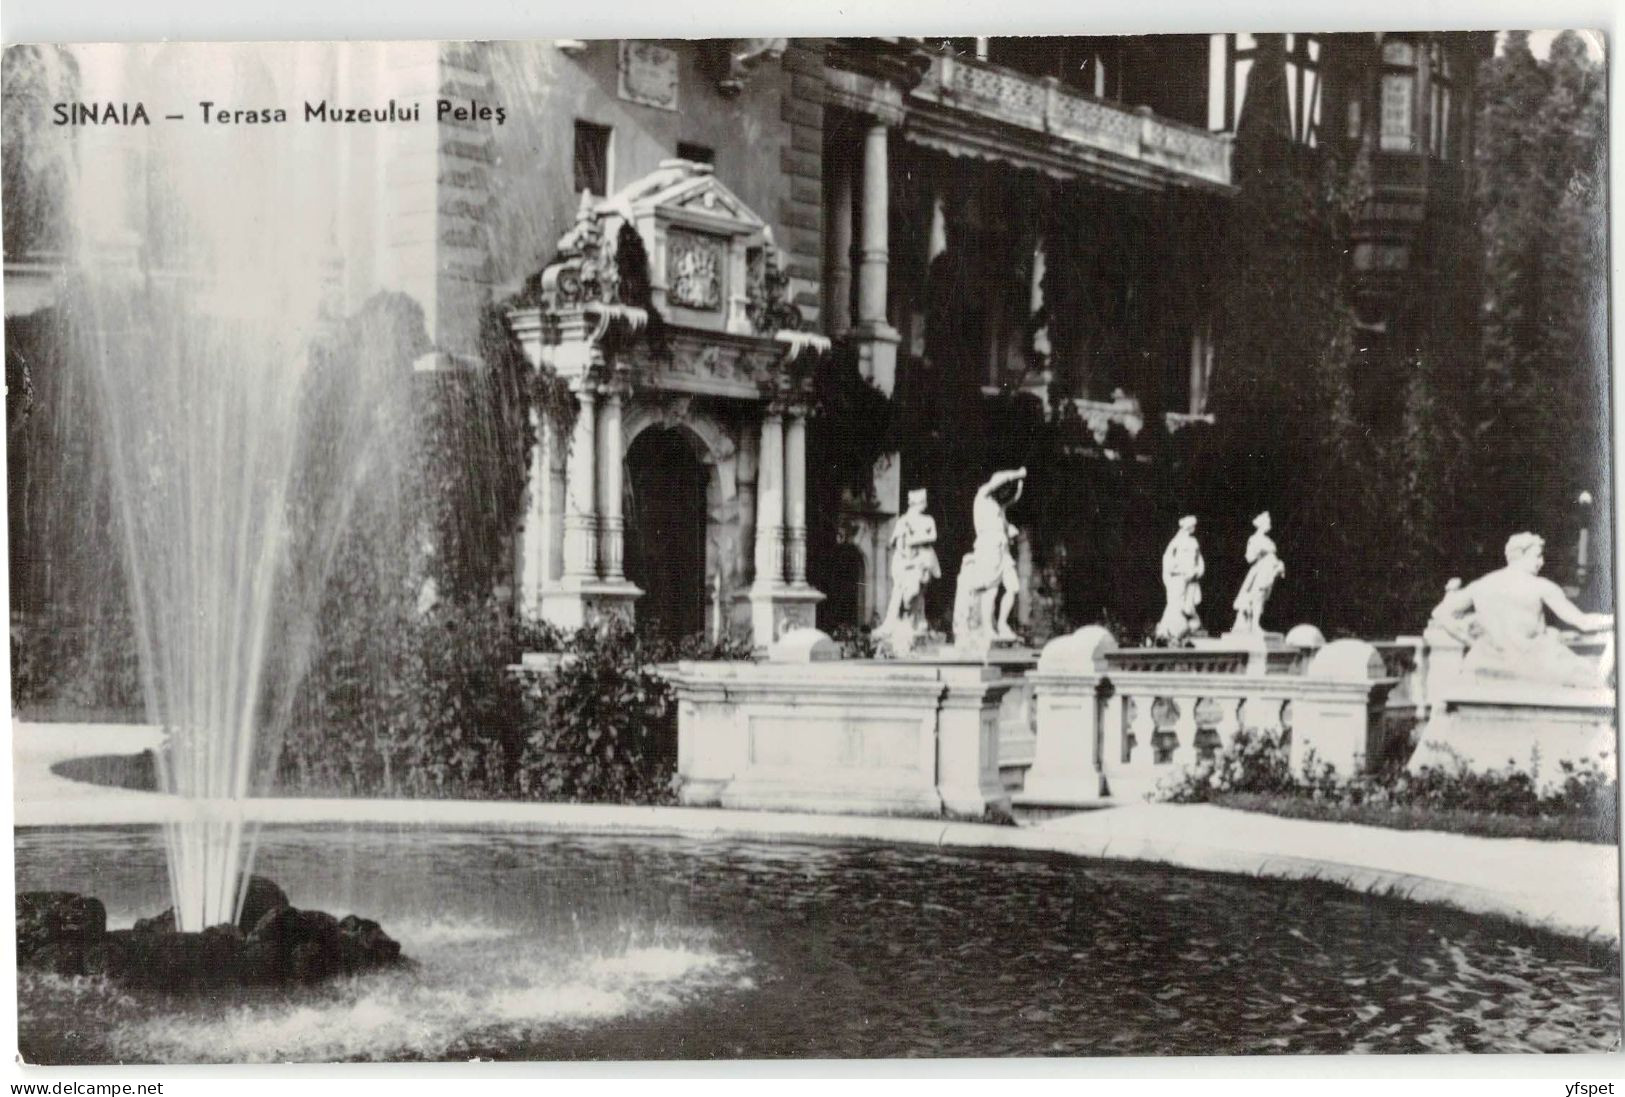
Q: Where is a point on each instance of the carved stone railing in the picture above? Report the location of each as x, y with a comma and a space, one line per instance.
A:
1108, 732
1100, 414
1118, 723
1042, 105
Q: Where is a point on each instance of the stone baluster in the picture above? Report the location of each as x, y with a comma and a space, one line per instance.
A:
1114, 750
770, 504
581, 517
612, 520
1141, 727
1229, 721
1184, 729
795, 510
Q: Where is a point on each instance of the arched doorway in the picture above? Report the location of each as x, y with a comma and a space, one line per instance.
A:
665, 531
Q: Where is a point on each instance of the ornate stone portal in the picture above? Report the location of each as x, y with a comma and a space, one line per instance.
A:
731, 375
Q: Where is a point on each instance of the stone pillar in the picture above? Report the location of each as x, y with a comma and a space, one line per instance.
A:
581, 513
777, 606
1338, 713
537, 537
839, 292
1071, 694
876, 343
795, 494
613, 522
770, 505
878, 346
968, 740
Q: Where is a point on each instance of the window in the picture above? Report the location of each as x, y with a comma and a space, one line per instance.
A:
1303, 87
1439, 84
698, 154
1398, 132
592, 158
1230, 65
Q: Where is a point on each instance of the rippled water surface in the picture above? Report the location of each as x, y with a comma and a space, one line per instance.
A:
534, 946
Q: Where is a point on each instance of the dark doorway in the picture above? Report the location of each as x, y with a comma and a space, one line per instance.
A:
842, 584
665, 532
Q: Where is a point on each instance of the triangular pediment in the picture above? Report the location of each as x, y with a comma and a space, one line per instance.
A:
683, 190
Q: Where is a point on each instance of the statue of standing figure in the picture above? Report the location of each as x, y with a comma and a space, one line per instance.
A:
1255, 589
989, 569
1182, 571
1504, 613
913, 566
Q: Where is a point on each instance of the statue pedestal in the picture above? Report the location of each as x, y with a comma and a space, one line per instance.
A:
1485, 724
914, 736
776, 610
571, 604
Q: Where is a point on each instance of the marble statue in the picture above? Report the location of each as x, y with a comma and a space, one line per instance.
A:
1504, 615
913, 566
1255, 589
1182, 570
989, 569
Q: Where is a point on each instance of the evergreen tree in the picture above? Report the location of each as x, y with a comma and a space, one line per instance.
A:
1541, 429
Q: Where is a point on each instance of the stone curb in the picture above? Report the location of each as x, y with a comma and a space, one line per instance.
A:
1121, 834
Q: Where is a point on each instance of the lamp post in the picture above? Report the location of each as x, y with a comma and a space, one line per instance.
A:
1582, 546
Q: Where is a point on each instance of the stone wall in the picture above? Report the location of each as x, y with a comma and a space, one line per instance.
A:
801, 209
545, 90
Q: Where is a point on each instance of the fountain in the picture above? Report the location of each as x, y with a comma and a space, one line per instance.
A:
532, 940
234, 457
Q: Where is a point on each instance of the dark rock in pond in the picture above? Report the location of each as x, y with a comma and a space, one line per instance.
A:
67, 934
55, 927
45, 916
59, 957
306, 946
263, 897
368, 939
172, 962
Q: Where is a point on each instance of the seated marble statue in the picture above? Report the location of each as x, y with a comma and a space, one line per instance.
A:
1507, 623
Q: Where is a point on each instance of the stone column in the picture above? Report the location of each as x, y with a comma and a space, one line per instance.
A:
536, 536
612, 522
840, 248
770, 504
876, 343
795, 495
581, 513
874, 258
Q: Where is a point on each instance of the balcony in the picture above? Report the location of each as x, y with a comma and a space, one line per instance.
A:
1043, 125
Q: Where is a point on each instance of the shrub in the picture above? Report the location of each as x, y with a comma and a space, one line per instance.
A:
603, 723
1255, 761
1254, 769
410, 704
855, 642
86, 667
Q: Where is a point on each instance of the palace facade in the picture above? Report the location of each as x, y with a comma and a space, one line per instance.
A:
977, 224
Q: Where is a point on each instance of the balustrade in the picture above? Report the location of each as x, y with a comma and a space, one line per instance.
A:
1134, 720
1136, 135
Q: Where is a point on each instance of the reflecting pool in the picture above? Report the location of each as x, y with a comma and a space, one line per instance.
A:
541, 946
